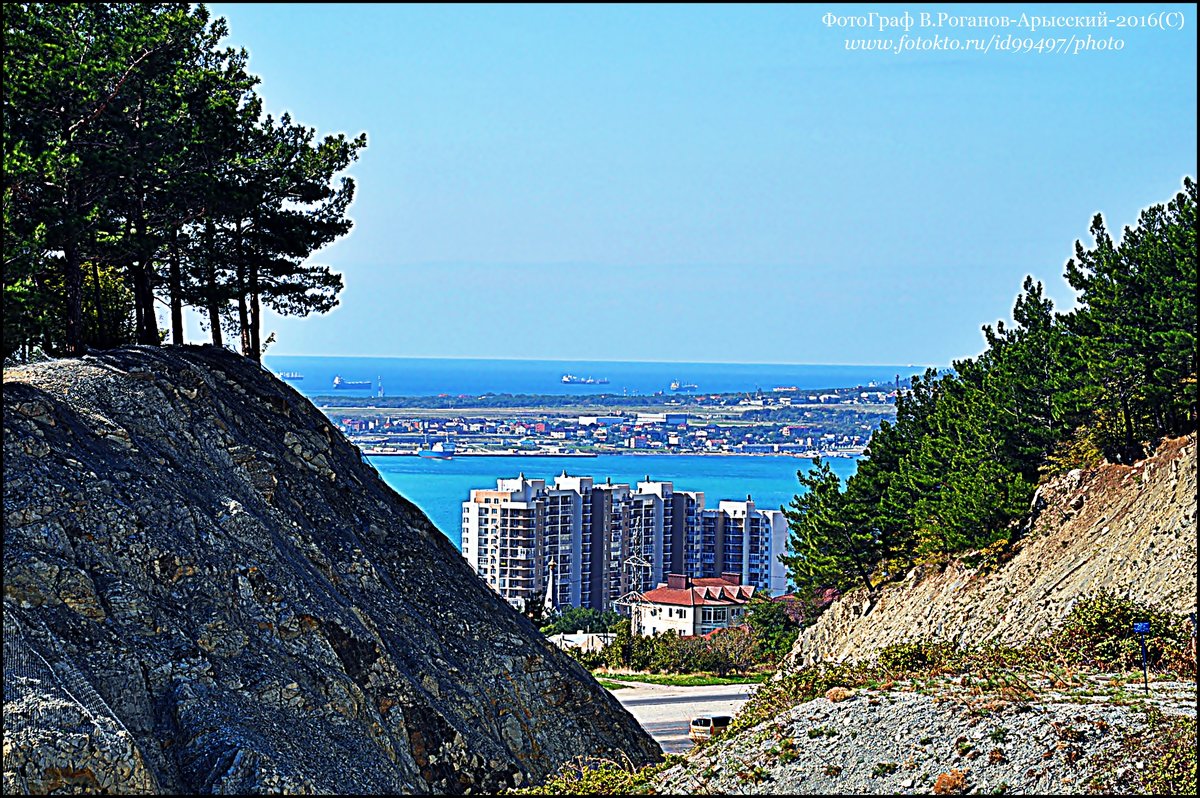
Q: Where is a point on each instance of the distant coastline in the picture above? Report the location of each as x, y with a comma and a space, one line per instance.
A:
645, 453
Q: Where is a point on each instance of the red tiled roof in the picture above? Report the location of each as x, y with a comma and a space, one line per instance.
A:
704, 592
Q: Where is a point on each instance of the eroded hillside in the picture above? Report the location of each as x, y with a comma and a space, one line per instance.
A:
1127, 529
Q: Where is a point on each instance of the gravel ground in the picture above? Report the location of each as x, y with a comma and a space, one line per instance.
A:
901, 740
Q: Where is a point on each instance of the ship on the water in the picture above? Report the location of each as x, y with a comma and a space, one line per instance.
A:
361, 385
442, 450
290, 375
676, 385
571, 379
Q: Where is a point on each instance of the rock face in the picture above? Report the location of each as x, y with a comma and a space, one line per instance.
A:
207, 589
1129, 529
908, 739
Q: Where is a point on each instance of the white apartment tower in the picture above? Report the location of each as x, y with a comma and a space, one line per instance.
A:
604, 541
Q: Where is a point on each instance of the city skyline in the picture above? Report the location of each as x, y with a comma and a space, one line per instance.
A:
721, 184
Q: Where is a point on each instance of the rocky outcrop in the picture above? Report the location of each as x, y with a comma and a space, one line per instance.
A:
1128, 529
206, 589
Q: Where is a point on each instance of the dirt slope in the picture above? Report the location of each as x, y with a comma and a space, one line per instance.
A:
1130, 529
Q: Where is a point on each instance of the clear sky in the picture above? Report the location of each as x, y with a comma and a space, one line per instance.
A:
709, 183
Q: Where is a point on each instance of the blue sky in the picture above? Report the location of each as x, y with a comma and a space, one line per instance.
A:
710, 183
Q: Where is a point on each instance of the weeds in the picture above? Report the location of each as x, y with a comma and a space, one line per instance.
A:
1167, 748
584, 776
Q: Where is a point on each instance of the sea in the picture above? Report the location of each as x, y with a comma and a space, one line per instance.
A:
411, 376
439, 487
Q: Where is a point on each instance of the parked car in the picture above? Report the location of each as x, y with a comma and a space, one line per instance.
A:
706, 726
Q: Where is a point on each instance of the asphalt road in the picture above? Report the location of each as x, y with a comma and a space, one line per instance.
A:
665, 712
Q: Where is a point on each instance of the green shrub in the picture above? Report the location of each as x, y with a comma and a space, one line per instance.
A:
1099, 632
588, 659
589, 776
1080, 450
904, 657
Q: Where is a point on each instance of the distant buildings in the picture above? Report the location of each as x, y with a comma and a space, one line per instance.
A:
592, 544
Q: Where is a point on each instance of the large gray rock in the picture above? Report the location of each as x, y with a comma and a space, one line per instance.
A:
207, 589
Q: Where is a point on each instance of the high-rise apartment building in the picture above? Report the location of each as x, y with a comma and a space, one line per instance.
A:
595, 544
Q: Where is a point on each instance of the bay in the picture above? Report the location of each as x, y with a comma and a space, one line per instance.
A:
439, 487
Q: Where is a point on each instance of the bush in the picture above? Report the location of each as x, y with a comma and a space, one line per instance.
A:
1099, 632
599, 777
1080, 450
577, 619
916, 656
734, 649
776, 623
588, 659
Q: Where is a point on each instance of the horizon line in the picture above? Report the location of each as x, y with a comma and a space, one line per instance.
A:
576, 360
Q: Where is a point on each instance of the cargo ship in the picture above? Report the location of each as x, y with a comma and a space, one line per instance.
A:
676, 385
361, 385
571, 379
290, 375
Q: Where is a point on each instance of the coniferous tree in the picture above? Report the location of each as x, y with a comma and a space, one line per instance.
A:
826, 548
959, 464
286, 209
64, 64
1136, 323
135, 151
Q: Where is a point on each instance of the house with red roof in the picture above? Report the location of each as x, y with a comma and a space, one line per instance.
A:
692, 606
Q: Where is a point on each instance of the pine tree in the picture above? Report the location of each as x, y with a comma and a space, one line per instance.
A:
827, 549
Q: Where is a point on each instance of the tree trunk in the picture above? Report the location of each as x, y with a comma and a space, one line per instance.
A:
176, 289
255, 316
143, 297
213, 294
73, 277
143, 287
243, 314
104, 337
1127, 414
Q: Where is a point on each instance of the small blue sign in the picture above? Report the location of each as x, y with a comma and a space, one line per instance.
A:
1141, 627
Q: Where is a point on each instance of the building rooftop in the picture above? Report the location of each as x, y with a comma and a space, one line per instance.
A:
722, 591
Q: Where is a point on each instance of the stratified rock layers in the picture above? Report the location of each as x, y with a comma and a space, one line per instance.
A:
206, 589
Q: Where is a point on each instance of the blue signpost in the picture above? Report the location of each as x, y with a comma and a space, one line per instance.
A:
1141, 629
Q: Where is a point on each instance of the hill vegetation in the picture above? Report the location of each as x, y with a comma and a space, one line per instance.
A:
1063, 713
1055, 391
139, 167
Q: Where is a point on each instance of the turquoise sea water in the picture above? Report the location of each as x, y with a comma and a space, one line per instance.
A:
439, 487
